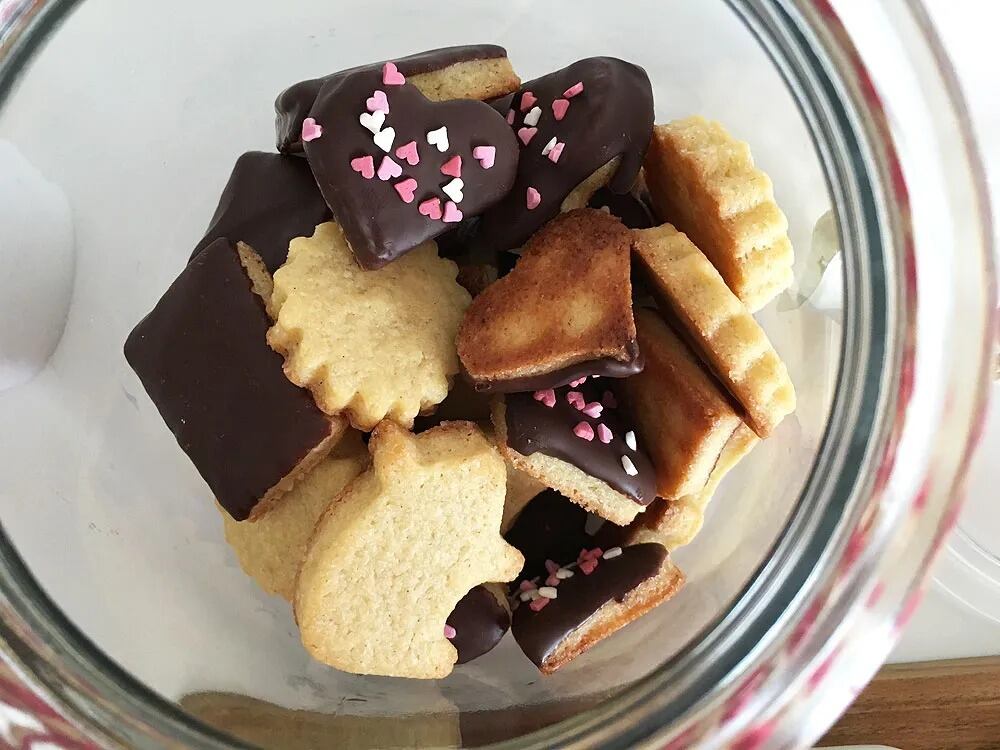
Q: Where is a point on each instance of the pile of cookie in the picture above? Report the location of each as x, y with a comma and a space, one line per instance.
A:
449, 371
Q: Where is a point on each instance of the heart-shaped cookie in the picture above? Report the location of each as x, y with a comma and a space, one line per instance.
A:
382, 222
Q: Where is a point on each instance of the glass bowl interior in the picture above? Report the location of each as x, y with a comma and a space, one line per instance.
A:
114, 147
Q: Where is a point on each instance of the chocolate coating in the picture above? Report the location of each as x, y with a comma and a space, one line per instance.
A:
551, 527
539, 633
202, 357
606, 367
633, 212
293, 104
612, 116
377, 223
480, 621
533, 427
269, 200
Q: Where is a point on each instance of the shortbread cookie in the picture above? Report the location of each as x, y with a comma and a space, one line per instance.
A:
724, 333
270, 549
480, 71
395, 552
479, 621
683, 416
570, 124
580, 441
269, 200
203, 358
674, 523
397, 169
704, 182
370, 344
564, 312
577, 588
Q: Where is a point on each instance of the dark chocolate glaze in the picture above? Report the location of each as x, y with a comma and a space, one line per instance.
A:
202, 357
606, 367
539, 633
293, 104
632, 210
377, 223
480, 621
269, 200
612, 116
533, 427
551, 527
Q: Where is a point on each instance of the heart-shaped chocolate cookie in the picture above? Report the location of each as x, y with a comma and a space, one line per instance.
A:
416, 141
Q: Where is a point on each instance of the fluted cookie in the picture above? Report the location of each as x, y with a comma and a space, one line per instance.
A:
704, 182
370, 344
396, 551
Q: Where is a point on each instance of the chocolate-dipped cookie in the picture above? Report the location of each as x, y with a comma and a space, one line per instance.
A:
269, 200
570, 124
479, 621
203, 358
397, 169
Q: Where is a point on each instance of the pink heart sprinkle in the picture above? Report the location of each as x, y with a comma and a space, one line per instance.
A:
588, 566
449, 632
311, 130
365, 165
408, 151
406, 188
547, 397
559, 107
578, 382
539, 603
584, 430
431, 208
487, 155
576, 398
573, 90
526, 134
451, 213
511, 114
603, 433
388, 169
391, 75
552, 580
377, 102
527, 101
593, 409
609, 400
534, 198
556, 151
453, 166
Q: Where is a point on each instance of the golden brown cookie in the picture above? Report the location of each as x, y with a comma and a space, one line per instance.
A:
370, 344
567, 305
704, 182
719, 326
402, 544
269, 550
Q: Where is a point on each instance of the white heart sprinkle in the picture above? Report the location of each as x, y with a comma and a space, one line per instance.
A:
548, 146
373, 121
630, 439
532, 117
384, 138
439, 138
454, 189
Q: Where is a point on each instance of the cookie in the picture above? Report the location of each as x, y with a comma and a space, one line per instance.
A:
370, 344
576, 588
681, 413
270, 549
570, 124
203, 358
521, 489
269, 200
720, 327
480, 71
704, 182
395, 552
479, 621
564, 312
579, 440
397, 169
674, 523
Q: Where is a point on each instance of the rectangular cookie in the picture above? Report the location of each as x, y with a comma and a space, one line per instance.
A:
704, 182
203, 358
683, 416
722, 330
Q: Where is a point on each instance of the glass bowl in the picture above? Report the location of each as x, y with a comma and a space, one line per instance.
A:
121, 603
